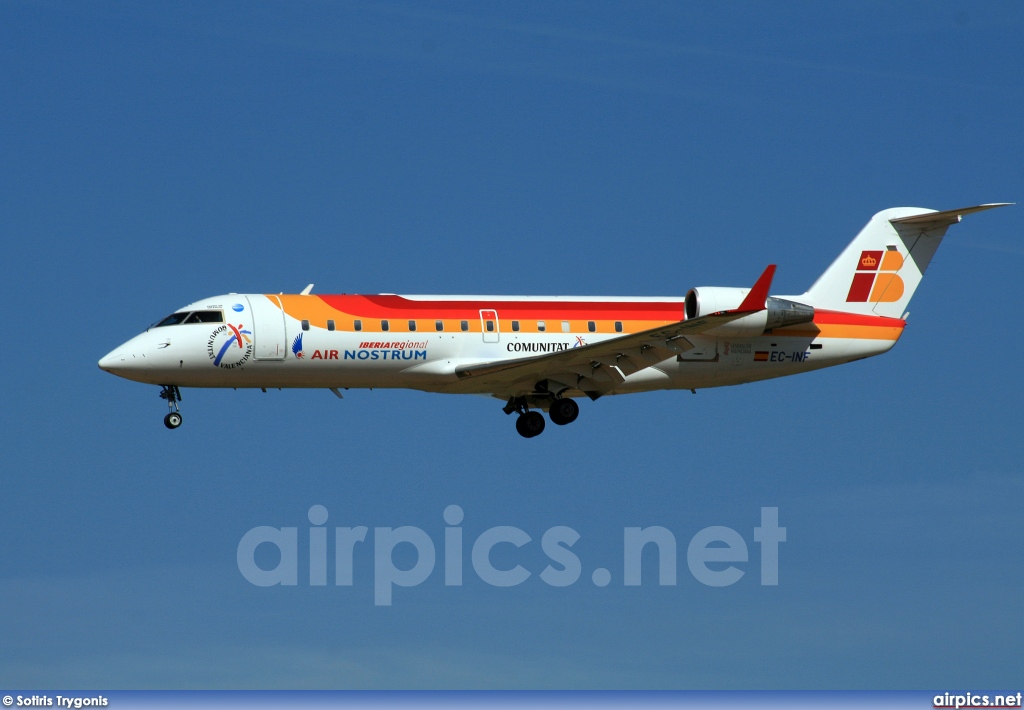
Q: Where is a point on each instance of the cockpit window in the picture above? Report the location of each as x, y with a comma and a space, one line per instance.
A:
206, 317
192, 317
173, 319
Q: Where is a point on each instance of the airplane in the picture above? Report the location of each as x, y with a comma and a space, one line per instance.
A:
542, 353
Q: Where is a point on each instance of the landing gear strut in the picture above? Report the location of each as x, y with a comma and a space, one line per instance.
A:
528, 424
173, 395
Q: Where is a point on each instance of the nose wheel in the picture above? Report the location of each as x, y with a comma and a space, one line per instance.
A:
172, 394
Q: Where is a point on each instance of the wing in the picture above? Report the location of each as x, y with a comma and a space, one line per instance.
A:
595, 369
599, 368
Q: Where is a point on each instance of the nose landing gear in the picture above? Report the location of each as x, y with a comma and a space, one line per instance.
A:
173, 395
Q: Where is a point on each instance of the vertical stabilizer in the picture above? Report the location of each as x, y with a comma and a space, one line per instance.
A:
881, 268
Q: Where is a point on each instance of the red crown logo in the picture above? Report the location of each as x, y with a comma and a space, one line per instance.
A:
869, 261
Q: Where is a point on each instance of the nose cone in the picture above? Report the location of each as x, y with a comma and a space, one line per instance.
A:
129, 359
147, 357
114, 362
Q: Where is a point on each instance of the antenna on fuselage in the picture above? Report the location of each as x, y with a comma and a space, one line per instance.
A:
306, 291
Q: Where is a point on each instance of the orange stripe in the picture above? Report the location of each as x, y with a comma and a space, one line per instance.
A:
318, 312
838, 317
860, 332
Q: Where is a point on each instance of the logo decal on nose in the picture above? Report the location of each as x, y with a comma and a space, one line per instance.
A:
219, 346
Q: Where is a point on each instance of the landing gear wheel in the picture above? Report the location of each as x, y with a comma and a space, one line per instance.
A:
172, 420
530, 424
564, 411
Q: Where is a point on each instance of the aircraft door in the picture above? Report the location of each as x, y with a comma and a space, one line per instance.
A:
268, 327
489, 325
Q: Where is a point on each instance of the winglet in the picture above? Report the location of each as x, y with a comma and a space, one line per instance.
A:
306, 291
758, 295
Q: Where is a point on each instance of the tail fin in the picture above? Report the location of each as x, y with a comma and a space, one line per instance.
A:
881, 268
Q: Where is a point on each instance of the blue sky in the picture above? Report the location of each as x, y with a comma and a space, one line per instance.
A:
153, 155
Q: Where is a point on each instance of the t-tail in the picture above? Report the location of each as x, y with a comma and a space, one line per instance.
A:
881, 268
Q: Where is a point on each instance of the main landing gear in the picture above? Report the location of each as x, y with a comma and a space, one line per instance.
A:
564, 411
530, 423
173, 395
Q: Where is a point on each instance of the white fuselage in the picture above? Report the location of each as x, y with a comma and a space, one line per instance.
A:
285, 341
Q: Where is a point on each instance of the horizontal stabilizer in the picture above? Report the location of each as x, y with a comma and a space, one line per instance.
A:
932, 220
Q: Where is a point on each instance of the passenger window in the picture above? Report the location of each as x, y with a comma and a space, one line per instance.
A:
618, 326
490, 326
515, 326
384, 325
464, 325
541, 326
330, 325
565, 326
358, 325
591, 326
305, 325
439, 325
412, 325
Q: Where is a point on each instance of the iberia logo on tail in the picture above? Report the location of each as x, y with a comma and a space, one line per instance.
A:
876, 280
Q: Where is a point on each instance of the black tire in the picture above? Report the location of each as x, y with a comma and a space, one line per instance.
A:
172, 420
530, 424
564, 411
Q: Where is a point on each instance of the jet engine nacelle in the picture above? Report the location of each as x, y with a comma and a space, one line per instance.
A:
777, 313
706, 300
